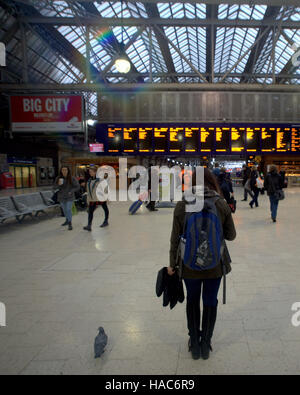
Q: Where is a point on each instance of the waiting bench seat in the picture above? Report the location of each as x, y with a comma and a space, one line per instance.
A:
30, 203
8, 210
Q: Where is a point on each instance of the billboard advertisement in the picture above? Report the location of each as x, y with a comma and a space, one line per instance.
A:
46, 113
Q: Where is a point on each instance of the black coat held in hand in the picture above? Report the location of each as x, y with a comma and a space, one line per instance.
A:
170, 286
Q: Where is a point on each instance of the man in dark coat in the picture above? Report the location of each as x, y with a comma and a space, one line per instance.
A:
273, 183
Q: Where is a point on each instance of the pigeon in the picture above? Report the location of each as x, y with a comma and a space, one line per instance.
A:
100, 343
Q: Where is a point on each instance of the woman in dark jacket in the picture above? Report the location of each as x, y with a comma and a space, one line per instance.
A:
273, 183
253, 185
225, 185
66, 186
194, 279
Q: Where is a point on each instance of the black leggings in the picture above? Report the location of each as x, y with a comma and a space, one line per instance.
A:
92, 208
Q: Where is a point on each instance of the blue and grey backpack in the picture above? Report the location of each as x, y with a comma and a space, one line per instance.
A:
202, 244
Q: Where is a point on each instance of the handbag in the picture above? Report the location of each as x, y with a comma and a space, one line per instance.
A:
232, 204
74, 209
279, 194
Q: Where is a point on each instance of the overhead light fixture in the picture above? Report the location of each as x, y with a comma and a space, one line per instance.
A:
91, 122
122, 63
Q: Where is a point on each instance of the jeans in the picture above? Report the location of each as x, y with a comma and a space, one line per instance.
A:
274, 206
67, 209
209, 294
255, 197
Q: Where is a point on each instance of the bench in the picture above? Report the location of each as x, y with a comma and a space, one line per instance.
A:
46, 196
29, 203
8, 210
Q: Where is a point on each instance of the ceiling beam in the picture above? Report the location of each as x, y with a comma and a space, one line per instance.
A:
211, 35
271, 12
60, 44
102, 22
114, 43
153, 12
254, 2
35, 88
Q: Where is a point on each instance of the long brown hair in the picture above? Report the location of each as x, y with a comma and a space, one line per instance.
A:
69, 176
210, 181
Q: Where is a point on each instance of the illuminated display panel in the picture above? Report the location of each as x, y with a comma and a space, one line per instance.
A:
283, 142
207, 139
238, 139
176, 135
268, 139
253, 139
130, 136
195, 138
192, 139
222, 139
295, 140
115, 139
161, 137
145, 139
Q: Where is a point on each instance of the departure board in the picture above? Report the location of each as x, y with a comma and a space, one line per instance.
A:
207, 139
115, 140
161, 137
192, 139
238, 139
295, 140
145, 139
268, 139
176, 139
283, 136
130, 137
253, 139
195, 138
222, 139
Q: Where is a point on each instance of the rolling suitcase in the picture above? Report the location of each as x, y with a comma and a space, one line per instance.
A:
135, 206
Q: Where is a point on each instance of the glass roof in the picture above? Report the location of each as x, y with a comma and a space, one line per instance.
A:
170, 42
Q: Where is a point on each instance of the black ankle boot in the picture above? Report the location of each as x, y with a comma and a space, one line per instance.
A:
88, 228
194, 348
65, 223
105, 223
208, 324
70, 227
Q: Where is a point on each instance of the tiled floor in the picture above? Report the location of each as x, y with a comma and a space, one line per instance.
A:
60, 286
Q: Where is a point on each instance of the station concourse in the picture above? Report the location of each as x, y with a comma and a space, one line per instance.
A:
92, 91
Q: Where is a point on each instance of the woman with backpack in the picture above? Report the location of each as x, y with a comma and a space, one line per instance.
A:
66, 186
273, 184
209, 280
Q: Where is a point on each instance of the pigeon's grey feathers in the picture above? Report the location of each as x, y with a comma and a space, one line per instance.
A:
100, 343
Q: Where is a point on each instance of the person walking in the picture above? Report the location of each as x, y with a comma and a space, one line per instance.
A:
225, 185
66, 186
253, 186
273, 182
208, 280
93, 202
245, 175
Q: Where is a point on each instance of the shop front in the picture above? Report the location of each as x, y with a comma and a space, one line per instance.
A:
24, 171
